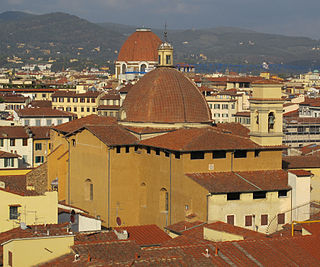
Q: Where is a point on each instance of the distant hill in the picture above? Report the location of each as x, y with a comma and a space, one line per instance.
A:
63, 37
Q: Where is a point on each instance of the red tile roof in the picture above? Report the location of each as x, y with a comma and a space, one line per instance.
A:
310, 149
165, 95
228, 228
108, 107
227, 182
297, 162
205, 139
181, 226
234, 128
41, 103
43, 112
140, 46
301, 173
16, 184
13, 132
145, 235
40, 132
4, 154
148, 130
313, 228
112, 135
71, 126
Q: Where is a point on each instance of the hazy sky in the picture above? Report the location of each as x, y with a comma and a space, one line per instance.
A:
290, 17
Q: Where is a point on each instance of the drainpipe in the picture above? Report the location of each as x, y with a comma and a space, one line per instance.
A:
69, 201
170, 188
109, 187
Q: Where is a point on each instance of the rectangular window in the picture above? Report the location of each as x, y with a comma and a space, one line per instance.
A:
230, 219
264, 219
240, 154
73, 142
1, 142
168, 59
13, 212
166, 154
219, 154
93, 109
281, 218
68, 99
24, 142
127, 149
248, 220
256, 153
6, 162
38, 146
49, 122
12, 142
216, 106
88, 109
61, 99
75, 100
233, 196
225, 106
26, 122
177, 155
283, 193
259, 194
91, 191
148, 150
59, 122
88, 100
82, 100
118, 149
157, 151
93, 100
38, 122
39, 159
82, 109
75, 109
197, 155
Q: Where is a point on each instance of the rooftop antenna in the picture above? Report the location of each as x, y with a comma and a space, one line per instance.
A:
165, 33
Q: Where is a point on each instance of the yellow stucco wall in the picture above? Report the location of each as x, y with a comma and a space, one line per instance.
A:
32, 251
33, 209
219, 236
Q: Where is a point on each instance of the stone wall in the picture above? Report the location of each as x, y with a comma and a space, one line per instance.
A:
38, 178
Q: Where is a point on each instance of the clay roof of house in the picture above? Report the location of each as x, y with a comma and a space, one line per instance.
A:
43, 112
148, 130
13, 132
200, 139
112, 135
16, 184
145, 235
242, 114
228, 228
126, 88
13, 98
296, 162
299, 120
41, 103
310, 149
182, 226
234, 128
313, 228
165, 95
40, 132
4, 154
140, 46
93, 119
301, 173
252, 181
110, 96
293, 113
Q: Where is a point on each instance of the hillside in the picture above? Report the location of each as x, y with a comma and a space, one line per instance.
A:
62, 37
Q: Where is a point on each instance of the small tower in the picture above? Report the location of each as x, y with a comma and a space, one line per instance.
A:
266, 107
165, 53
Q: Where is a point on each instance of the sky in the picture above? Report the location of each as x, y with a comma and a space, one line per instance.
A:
289, 17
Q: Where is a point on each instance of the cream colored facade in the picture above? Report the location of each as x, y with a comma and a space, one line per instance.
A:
39, 209
272, 205
42, 249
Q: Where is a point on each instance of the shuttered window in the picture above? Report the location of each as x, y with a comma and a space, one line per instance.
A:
248, 220
230, 219
281, 218
264, 219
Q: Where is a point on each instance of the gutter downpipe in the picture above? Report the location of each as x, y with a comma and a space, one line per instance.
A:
108, 187
170, 188
69, 192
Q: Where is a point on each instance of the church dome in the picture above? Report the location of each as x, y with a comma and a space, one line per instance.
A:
142, 45
165, 95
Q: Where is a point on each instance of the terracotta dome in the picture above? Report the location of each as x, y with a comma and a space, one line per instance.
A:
165, 95
142, 45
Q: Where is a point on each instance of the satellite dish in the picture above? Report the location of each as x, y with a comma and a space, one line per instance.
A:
118, 221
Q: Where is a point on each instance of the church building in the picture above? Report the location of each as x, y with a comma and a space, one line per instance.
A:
164, 160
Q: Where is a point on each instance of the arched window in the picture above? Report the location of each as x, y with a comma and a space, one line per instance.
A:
124, 68
143, 195
271, 120
143, 68
88, 190
164, 200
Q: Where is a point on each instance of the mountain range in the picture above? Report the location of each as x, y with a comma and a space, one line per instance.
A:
63, 38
